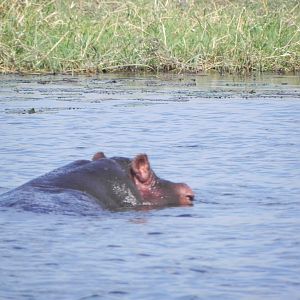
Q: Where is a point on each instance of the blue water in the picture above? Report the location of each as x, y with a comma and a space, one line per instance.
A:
235, 141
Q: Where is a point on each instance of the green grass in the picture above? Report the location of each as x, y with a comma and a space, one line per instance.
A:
91, 36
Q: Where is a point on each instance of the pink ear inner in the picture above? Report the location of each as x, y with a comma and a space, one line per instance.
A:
141, 167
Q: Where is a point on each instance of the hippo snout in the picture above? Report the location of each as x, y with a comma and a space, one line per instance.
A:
185, 193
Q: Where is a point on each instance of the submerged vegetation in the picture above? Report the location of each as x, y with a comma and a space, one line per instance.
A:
91, 36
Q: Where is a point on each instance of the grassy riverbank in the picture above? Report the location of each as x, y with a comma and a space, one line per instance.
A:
90, 36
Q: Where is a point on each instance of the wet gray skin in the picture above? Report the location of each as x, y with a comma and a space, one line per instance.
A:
110, 183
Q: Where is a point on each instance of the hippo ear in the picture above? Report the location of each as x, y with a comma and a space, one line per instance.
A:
98, 155
140, 167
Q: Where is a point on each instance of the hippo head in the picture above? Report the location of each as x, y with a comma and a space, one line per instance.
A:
153, 190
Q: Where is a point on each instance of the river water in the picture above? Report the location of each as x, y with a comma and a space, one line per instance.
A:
235, 141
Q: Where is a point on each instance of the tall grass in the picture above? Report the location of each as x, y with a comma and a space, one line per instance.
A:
90, 36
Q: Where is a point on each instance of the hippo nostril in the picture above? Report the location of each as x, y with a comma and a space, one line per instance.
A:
190, 197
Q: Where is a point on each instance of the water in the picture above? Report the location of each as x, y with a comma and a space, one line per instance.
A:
235, 141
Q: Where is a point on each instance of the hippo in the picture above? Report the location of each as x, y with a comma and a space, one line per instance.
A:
116, 183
